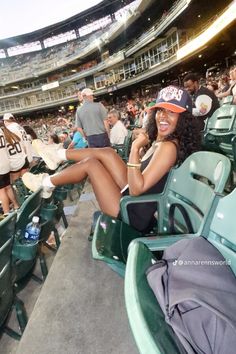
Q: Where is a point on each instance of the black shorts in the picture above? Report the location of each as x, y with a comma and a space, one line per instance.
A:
98, 140
4, 180
26, 165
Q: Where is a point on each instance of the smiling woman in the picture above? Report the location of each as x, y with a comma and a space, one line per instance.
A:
175, 138
28, 16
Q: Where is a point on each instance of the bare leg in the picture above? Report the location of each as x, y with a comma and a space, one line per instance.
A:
5, 200
106, 189
15, 175
12, 197
23, 171
108, 158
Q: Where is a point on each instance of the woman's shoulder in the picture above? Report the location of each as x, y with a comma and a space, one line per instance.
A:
168, 144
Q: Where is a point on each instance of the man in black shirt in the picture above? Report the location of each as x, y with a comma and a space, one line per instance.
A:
205, 101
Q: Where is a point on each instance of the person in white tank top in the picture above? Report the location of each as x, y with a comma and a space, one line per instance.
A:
6, 192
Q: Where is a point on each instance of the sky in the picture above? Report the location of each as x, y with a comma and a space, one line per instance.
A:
24, 16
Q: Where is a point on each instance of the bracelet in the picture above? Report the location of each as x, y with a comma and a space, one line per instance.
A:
133, 165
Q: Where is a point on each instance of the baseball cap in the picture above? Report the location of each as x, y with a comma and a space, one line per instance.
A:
87, 92
8, 116
174, 99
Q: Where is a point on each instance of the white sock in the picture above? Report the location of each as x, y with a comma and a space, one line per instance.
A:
62, 154
46, 182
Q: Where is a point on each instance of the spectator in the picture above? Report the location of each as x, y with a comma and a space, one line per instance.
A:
213, 86
31, 135
205, 101
91, 118
223, 84
175, 139
118, 131
6, 192
78, 140
16, 139
53, 139
232, 88
65, 139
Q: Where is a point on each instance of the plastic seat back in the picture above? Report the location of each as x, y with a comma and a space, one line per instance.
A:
7, 231
152, 334
24, 254
189, 194
192, 191
222, 229
124, 149
28, 209
223, 119
227, 100
20, 190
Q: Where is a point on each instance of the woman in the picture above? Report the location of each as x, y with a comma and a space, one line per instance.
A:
6, 193
53, 139
16, 139
31, 135
175, 139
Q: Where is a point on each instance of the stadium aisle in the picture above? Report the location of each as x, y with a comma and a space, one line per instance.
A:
31, 292
81, 306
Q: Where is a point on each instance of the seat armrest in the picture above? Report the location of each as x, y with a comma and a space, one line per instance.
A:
160, 243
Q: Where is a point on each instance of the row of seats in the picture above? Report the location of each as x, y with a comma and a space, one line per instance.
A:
220, 133
17, 258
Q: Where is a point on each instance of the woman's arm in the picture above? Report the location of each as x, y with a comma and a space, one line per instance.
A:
163, 159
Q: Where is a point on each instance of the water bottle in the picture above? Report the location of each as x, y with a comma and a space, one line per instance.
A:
32, 231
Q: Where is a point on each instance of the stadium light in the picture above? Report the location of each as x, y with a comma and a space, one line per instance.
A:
217, 26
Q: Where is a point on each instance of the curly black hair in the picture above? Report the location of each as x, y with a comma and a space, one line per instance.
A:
187, 134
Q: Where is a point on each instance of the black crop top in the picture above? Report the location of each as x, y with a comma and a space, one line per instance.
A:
141, 215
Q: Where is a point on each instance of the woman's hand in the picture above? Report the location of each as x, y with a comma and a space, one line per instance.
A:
141, 140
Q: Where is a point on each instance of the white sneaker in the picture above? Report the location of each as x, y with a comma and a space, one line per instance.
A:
34, 182
48, 153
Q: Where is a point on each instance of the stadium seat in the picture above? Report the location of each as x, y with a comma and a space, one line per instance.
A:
20, 191
183, 208
25, 254
227, 100
124, 149
221, 135
8, 300
220, 128
152, 334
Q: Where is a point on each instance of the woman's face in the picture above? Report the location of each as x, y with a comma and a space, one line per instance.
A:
166, 122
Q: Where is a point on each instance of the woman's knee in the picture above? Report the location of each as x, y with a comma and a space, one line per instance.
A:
109, 151
89, 162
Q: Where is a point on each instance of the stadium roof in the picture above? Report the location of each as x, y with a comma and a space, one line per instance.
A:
102, 9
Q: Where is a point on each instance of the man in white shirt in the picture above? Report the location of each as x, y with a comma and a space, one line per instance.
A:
118, 131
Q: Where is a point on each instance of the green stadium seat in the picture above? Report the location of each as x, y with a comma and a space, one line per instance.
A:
220, 128
8, 300
25, 254
124, 149
20, 190
184, 207
227, 100
152, 334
